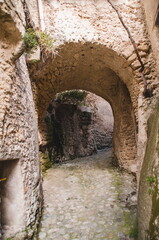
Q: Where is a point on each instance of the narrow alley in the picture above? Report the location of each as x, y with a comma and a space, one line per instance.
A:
88, 199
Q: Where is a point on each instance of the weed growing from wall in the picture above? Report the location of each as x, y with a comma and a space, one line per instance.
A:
134, 233
151, 180
47, 44
32, 40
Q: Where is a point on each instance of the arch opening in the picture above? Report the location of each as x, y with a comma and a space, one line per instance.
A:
97, 69
78, 124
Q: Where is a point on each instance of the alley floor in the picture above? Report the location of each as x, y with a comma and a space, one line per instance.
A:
88, 199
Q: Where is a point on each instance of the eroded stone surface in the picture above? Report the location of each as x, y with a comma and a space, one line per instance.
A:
77, 129
18, 131
103, 120
88, 200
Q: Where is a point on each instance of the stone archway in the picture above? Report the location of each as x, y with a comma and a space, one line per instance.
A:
97, 69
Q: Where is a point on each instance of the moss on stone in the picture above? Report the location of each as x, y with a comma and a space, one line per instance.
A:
45, 162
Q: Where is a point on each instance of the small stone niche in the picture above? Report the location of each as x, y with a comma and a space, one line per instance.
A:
11, 198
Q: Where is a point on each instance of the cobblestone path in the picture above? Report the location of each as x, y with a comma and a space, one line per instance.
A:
88, 199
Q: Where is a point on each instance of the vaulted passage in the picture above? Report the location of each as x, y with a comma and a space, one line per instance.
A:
87, 198
99, 70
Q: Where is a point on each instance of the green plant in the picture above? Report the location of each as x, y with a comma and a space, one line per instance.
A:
151, 179
47, 43
150, 190
133, 233
35, 61
45, 162
30, 39
72, 96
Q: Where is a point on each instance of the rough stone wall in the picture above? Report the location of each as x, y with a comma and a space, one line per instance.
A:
18, 126
148, 198
94, 49
150, 10
77, 131
96, 22
148, 213
104, 83
146, 109
72, 132
103, 122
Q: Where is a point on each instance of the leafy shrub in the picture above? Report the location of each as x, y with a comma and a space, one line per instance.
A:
47, 43
30, 39
151, 179
72, 96
152, 182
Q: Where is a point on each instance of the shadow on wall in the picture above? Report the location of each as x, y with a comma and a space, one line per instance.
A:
11, 206
77, 129
9, 33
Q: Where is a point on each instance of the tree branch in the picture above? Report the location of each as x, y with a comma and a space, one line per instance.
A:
147, 91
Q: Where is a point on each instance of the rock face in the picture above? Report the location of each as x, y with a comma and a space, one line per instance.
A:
103, 121
78, 131
71, 132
